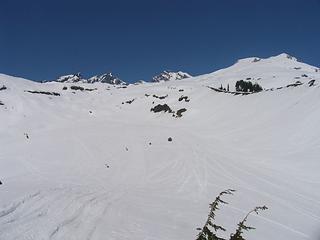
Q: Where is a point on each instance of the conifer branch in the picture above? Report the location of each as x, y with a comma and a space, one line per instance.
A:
241, 225
206, 233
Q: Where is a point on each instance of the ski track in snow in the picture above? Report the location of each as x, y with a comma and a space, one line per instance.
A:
67, 212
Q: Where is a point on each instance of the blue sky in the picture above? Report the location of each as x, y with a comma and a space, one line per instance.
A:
42, 39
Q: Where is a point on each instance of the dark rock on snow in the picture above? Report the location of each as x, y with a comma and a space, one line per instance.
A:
185, 98
160, 97
160, 108
180, 111
43, 92
311, 82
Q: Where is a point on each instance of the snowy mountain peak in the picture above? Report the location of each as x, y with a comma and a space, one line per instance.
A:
169, 76
72, 78
106, 78
281, 58
284, 56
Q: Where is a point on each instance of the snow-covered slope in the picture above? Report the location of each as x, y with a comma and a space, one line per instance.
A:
98, 164
273, 72
170, 76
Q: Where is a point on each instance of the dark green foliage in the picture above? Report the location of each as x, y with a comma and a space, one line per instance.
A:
222, 88
256, 88
242, 227
64, 88
247, 86
209, 230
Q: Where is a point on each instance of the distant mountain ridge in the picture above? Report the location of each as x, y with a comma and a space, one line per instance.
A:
103, 78
114, 80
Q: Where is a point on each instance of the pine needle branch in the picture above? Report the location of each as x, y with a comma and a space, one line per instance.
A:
241, 225
206, 233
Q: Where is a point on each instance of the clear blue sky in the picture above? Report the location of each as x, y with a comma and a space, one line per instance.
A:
42, 39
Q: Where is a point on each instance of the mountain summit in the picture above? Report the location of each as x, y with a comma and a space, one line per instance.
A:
283, 57
71, 78
169, 76
104, 78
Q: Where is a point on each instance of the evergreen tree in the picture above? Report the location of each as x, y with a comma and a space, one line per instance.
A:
209, 230
242, 227
228, 88
256, 88
247, 86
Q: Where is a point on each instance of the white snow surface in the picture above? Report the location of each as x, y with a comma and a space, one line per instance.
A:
94, 168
